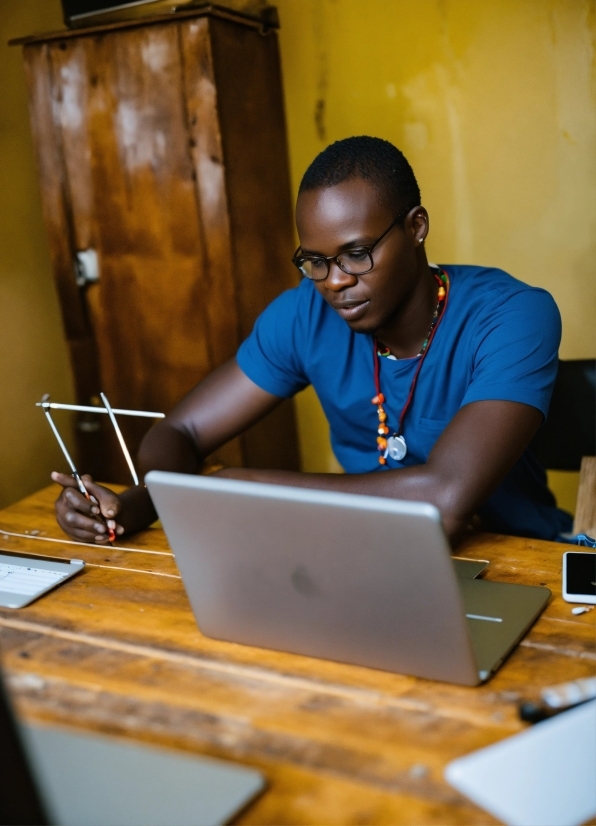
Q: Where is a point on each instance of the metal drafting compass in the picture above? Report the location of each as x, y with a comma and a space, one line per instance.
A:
46, 406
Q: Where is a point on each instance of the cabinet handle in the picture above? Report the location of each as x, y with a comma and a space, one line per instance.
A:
86, 267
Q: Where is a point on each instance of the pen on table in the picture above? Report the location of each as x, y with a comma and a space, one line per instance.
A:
75, 474
558, 698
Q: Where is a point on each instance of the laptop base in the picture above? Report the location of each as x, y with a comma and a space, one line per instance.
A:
498, 616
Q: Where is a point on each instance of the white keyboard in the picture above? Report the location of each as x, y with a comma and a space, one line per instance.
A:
17, 579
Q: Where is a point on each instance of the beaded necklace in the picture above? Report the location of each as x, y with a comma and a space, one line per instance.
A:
395, 446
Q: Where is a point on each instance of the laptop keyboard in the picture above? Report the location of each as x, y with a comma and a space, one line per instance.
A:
18, 579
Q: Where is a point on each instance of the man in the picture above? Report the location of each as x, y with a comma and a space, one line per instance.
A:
435, 378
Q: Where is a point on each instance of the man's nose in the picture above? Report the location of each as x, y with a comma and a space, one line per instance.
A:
338, 279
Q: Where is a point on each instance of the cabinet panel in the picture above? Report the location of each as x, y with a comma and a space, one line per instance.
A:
162, 148
134, 202
206, 150
254, 144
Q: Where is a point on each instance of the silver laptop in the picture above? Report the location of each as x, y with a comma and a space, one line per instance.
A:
358, 579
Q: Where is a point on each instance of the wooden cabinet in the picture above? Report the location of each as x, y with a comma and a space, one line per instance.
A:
163, 165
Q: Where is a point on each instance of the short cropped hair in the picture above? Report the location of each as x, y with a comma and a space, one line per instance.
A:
372, 159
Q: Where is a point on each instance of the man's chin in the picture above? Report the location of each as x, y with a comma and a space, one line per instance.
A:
364, 326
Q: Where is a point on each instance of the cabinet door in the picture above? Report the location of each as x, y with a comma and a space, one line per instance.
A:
134, 181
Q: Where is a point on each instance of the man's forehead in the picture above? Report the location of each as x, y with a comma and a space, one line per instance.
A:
352, 205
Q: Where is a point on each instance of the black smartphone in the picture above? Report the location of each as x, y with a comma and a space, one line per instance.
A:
579, 577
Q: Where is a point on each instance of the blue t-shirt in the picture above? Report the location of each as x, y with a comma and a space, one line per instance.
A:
498, 339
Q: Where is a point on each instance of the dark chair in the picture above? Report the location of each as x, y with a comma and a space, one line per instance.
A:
569, 432
567, 440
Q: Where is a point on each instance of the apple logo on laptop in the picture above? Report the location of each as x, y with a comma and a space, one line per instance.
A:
303, 583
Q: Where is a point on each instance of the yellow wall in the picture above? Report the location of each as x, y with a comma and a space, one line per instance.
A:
33, 358
492, 101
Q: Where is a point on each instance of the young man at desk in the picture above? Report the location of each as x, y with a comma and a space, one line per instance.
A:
434, 380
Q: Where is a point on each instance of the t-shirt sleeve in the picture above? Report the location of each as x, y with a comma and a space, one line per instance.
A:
516, 357
271, 355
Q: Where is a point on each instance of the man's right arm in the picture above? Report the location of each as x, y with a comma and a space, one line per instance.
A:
219, 408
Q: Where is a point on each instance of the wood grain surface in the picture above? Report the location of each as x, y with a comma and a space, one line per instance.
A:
117, 650
162, 147
585, 513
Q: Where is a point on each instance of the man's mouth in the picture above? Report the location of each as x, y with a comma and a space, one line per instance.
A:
351, 310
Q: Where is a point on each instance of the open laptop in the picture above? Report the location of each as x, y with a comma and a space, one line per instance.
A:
358, 579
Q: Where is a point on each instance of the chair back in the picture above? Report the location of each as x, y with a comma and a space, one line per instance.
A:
569, 432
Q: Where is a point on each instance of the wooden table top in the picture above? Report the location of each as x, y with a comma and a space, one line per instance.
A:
117, 650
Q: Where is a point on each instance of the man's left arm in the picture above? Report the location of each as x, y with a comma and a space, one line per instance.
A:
513, 373
468, 462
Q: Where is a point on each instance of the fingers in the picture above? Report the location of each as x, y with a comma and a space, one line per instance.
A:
103, 500
87, 520
79, 502
84, 527
108, 502
64, 479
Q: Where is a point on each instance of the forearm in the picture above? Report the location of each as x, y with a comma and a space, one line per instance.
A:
163, 448
166, 447
137, 510
420, 483
467, 464
219, 408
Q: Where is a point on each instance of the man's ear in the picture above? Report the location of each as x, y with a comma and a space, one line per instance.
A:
417, 224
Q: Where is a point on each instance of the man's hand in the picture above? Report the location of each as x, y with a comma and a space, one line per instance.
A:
219, 408
81, 518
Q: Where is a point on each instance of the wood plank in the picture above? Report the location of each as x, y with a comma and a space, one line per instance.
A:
205, 139
540, 566
585, 513
250, 102
53, 186
140, 192
209, 173
247, 70
231, 715
118, 651
383, 749
47, 108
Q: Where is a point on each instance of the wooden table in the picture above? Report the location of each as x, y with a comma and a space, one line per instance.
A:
117, 650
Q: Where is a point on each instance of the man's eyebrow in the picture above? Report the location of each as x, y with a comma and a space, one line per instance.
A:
359, 242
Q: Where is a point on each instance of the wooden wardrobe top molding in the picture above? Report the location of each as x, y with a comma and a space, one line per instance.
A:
219, 12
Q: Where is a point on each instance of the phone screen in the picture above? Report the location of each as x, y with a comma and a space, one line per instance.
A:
581, 573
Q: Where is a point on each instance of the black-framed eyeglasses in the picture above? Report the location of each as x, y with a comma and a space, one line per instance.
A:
354, 261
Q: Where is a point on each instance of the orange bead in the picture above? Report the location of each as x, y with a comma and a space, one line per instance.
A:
381, 398
382, 442
441, 293
382, 460
385, 429
382, 417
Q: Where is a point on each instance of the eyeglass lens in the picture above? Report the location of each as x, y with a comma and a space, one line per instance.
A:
353, 262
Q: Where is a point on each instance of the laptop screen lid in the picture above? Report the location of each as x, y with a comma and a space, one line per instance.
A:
358, 579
